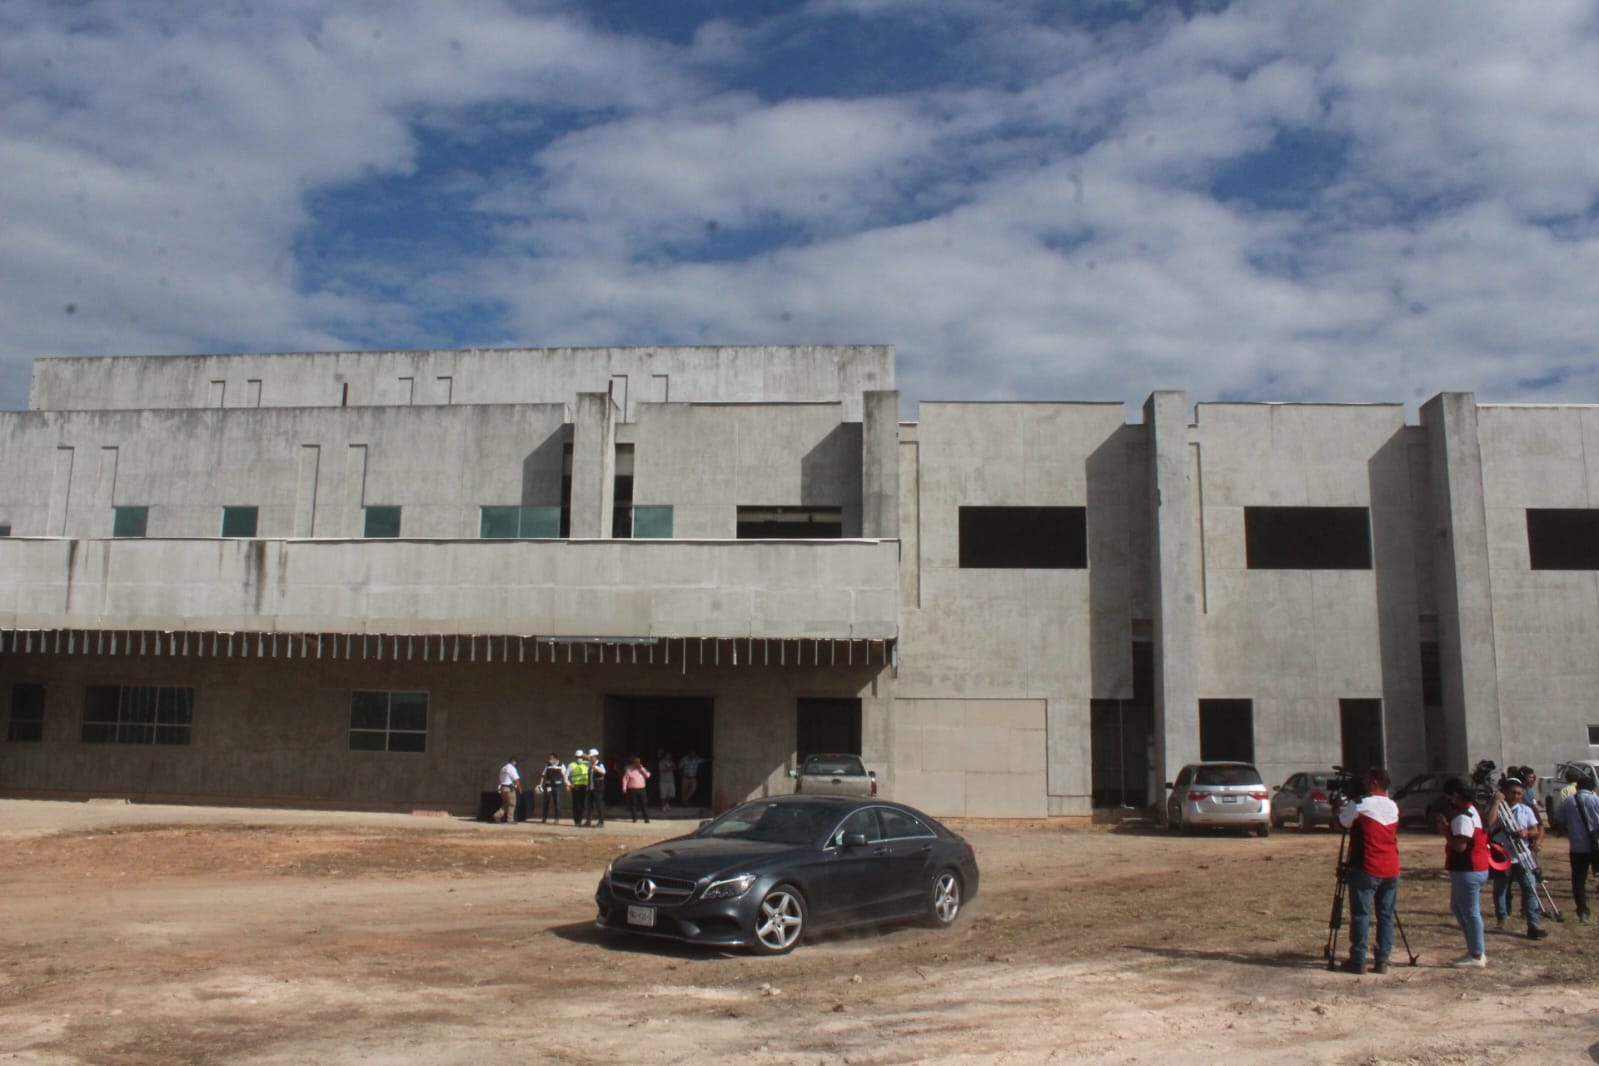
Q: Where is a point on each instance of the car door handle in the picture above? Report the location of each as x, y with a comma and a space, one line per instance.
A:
882, 851
927, 849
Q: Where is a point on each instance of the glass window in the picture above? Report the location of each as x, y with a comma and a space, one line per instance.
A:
5, 530
388, 721
239, 521
862, 821
1023, 538
652, 522
27, 713
382, 522
137, 714
510, 522
129, 521
898, 825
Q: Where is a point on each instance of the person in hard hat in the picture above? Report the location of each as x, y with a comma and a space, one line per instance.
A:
577, 776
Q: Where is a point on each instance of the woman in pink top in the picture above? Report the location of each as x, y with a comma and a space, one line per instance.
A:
634, 780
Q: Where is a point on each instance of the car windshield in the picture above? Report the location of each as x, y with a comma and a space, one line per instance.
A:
1226, 775
774, 823
1319, 780
847, 765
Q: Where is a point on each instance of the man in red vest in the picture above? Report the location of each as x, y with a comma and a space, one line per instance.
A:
1373, 870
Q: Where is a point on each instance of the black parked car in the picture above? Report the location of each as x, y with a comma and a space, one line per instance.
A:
771, 871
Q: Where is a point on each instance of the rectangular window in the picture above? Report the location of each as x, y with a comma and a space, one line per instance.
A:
389, 721
652, 522
5, 530
239, 521
1360, 725
790, 523
27, 713
381, 522
622, 487
1307, 538
1227, 730
129, 521
1593, 736
137, 714
511, 522
1023, 538
1563, 539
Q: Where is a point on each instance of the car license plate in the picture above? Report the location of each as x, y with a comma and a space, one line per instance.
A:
1229, 799
644, 916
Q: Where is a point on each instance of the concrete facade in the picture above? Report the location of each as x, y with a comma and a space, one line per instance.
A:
806, 572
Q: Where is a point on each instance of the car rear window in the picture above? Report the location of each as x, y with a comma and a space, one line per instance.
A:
846, 765
1227, 775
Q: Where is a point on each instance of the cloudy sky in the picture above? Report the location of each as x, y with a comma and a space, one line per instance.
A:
1260, 200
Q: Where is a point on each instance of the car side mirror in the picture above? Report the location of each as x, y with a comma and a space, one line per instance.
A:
854, 840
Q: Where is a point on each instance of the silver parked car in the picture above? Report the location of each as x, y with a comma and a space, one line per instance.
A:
1218, 795
1302, 799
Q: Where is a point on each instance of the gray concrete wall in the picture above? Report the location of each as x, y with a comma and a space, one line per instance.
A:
277, 730
725, 374
1297, 641
1545, 622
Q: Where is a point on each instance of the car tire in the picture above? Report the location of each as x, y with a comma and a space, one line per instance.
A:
944, 898
779, 921
1262, 830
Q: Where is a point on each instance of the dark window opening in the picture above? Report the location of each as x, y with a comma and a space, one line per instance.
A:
1013, 538
1227, 730
790, 523
389, 721
1563, 539
622, 494
382, 522
1593, 736
129, 521
827, 726
1432, 675
1122, 737
137, 714
5, 530
1307, 538
566, 490
1360, 726
27, 713
239, 521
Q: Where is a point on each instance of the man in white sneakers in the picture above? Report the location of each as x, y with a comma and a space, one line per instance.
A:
1372, 870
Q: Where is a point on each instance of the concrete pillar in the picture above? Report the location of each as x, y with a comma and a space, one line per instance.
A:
880, 464
1175, 580
593, 466
1466, 654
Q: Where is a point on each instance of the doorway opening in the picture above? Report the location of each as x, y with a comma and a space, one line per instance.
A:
1122, 739
1360, 723
644, 725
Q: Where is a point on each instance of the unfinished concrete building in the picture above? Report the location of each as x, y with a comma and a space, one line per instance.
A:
364, 579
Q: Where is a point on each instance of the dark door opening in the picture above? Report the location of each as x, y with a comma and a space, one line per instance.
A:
1360, 722
645, 725
1227, 730
1122, 739
827, 725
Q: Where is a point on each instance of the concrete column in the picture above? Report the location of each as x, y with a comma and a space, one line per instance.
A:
880, 464
1466, 653
354, 523
593, 466
305, 490
1175, 561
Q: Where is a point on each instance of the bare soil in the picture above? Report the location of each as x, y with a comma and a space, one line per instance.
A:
135, 936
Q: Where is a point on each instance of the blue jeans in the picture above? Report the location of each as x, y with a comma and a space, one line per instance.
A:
1367, 893
1465, 900
1520, 875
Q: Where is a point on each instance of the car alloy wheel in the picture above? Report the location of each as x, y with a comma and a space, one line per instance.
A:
779, 921
944, 901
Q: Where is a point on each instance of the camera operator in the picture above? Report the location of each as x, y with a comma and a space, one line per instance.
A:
1466, 859
1373, 869
1514, 826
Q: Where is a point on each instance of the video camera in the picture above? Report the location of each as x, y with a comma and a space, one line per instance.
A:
1345, 786
1482, 782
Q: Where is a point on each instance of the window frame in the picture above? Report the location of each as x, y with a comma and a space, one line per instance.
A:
389, 731
14, 734
229, 510
369, 512
160, 716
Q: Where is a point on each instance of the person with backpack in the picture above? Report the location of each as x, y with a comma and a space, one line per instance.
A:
1580, 816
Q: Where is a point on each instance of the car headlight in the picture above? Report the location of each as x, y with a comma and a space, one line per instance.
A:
729, 887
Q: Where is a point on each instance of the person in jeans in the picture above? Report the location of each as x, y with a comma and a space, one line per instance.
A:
1466, 859
1514, 826
635, 785
1580, 816
554, 782
1372, 870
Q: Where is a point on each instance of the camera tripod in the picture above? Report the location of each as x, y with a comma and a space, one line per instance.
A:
1335, 921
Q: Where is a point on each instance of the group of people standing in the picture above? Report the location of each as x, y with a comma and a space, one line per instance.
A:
583, 779
1497, 843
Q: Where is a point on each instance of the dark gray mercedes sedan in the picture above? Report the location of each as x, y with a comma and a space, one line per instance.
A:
770, 872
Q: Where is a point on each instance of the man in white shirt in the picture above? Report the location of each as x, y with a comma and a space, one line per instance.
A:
510, 788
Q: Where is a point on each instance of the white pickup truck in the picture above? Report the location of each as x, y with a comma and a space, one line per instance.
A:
1549, 788
834, 775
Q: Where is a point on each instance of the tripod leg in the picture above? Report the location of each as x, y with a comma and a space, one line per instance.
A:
1399, 924
1335, 922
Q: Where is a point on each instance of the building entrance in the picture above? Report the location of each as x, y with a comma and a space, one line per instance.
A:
645, 725
1122, 736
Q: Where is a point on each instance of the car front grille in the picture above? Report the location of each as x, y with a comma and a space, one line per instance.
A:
669, 891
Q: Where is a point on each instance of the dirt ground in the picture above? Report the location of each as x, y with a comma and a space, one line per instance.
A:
155, 935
